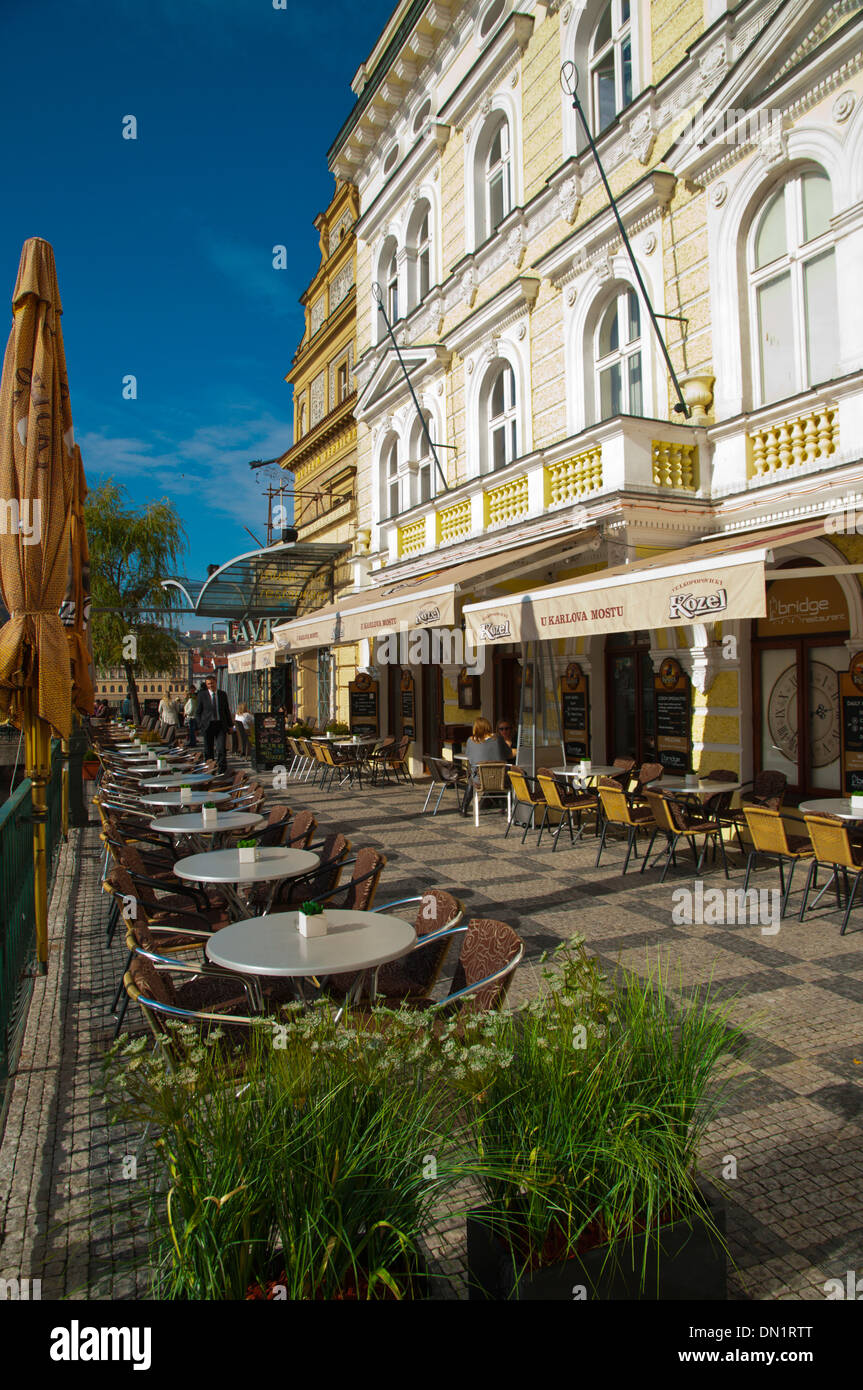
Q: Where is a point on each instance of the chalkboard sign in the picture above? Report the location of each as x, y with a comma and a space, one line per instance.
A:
363, 706
575, 712
673, 706
408, 714
851, 726
270, 747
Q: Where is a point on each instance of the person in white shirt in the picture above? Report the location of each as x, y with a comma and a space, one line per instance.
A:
243, 722
189, 709
169, 718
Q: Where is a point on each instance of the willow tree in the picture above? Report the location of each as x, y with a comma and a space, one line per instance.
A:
131, 552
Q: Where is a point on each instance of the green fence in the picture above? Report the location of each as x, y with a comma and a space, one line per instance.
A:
17, 908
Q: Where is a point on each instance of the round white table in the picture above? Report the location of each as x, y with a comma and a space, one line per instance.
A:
272, 946
274, 864
595, 770
703, 787
192, 824
831, 806
167, 780
198, 796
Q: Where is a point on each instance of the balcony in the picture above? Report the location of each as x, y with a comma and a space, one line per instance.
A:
626, 453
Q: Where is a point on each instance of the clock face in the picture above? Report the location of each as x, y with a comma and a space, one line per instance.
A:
823, 714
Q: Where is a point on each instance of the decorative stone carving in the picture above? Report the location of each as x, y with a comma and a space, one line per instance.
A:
317, 404
718, 194
521, 331
513, 81
565, 13
469, 286
516, 245
843, 106
440, 388
415, 193
486, 105
568, 199
641, 135
338, 231
712, 66
602, 267
571, 295
318, 314
773, 145
650, 243
469, 367
341, 284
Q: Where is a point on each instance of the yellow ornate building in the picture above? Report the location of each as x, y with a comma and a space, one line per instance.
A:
323, 456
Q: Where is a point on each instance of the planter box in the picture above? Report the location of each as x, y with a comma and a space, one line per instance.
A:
683, 1263
210, 817
315, 925
248, 854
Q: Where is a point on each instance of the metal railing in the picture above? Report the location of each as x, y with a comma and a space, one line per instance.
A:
17, 909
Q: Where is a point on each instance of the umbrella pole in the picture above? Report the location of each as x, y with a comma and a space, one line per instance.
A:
37, 745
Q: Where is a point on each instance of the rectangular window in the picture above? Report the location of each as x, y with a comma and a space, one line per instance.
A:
636, 406
497, 212
343, 382
425, 274
776, 338
604, 92
498, 444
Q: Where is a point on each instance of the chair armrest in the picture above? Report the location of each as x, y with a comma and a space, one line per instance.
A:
343, 887
478, 984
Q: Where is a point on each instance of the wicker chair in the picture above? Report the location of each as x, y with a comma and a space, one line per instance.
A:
490, 780
332, 853
566, 803
617, 810
770, 840
647, 773
302, 828
489, 955
204, 999
443, 775
832, 846
624, 776
414, 976
678, 823
768, 789
522, 795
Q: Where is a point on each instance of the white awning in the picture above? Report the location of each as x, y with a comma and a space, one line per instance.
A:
720, 579
255, 658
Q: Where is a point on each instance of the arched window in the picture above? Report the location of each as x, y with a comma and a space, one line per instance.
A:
792, 285
390, 487
498, 177
617, 358
499, 406
419, 249
610, 64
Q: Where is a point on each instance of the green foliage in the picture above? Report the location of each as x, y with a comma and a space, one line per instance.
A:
334, 727
244, 844
131, 552
312, 909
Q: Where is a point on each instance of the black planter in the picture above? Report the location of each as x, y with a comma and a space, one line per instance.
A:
684, 1262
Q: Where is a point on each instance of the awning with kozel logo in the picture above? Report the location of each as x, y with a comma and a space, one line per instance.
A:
426, 600
260, 659
719, 579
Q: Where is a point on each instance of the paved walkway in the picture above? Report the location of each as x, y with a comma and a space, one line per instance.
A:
793, 1128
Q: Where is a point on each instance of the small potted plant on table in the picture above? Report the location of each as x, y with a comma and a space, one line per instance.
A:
209, 813
311, 919
248, 851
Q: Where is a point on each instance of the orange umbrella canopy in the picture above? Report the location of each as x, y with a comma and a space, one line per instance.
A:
38, 472
75, 609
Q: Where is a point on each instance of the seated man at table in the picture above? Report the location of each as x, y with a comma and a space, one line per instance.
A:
483, 747
506, 732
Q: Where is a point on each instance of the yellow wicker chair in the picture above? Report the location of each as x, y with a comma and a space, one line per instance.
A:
677, 823
617, 810
770, 840
523, 796
832, 846
565, 804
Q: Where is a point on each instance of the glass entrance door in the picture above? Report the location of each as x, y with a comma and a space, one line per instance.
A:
631, 720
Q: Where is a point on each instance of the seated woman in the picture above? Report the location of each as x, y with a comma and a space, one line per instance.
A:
483, 746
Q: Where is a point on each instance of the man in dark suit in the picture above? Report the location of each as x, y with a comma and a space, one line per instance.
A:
213, 720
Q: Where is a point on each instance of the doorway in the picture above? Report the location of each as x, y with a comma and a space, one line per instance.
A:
507, 688
431, 690
629, 696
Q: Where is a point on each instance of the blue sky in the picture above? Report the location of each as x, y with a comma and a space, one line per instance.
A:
164, 243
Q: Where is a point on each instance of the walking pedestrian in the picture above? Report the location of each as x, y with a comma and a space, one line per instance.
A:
214, 719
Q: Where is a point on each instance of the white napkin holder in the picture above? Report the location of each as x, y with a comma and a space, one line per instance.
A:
312, 926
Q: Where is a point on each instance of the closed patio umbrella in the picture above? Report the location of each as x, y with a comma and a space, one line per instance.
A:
37, 487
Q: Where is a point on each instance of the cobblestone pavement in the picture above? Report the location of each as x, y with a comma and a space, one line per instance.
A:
793, 1126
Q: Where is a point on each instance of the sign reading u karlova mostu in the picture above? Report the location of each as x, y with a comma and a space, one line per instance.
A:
666, 597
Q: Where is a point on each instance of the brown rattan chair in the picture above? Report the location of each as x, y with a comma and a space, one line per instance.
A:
205, 998
302, 828
677, 822
770, 840
490, 781
832, 847
768, 789
647, 773
624, 776
617, 810
414, 976
490, 953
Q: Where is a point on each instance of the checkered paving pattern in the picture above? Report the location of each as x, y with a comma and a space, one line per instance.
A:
786, 1149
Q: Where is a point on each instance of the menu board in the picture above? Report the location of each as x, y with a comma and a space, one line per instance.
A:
851, 726
673, 707
408, 706
575, 713
363, 707
270, 747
